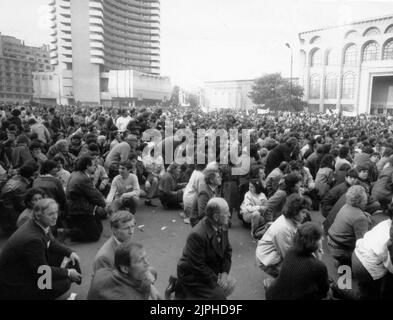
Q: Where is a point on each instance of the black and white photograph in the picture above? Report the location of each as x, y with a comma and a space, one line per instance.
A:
213, 151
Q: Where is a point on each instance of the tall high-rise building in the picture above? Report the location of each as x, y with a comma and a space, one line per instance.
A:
17, 64
90, 38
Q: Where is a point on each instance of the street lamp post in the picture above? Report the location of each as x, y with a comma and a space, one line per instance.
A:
58, 86
290, 90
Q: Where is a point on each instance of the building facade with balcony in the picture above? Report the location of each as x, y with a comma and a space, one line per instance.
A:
18, 62
89, 38
349, 68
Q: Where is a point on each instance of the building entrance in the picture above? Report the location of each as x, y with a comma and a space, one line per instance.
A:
382, 95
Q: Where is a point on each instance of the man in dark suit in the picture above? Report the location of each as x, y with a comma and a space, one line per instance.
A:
30, 260
203, 269
86, 204
208, 189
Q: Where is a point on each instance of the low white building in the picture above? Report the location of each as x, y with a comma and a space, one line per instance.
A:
118, 87
227, 94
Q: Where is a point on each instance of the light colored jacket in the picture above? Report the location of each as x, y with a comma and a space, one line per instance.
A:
251, 203
276, 242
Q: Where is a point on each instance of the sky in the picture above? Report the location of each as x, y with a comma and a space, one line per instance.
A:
211, 40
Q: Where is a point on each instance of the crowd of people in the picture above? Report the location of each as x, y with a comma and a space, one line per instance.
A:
65, 169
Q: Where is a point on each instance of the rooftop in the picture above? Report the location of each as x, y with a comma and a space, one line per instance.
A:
390, 16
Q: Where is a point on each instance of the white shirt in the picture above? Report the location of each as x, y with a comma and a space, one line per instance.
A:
372, 250
122, 122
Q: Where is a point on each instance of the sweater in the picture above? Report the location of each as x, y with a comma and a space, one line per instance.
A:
350, 225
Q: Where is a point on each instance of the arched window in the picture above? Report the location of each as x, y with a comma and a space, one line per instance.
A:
348, 86
350, 55
315, 84
332, 58
315, 40
331, 86
388, 51
316, 58
370, 52
389, 29
351, 34
371, 32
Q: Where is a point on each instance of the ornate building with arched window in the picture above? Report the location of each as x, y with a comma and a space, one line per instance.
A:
349, 68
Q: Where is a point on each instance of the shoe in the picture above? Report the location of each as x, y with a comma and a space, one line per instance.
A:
171, 287
186, 220
150, 204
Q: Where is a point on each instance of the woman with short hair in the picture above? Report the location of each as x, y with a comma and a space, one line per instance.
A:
277, 240
303, 275
350, 224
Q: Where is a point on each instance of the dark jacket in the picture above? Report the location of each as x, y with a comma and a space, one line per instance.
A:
24, 252
202, 260
332, 197
81, 195
302, 277
12, 197
110, 284
280, 153
382, 189
53, 188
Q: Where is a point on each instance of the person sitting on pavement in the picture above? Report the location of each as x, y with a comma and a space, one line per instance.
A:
254, 207
274, 177
32, 197
350, 224
86, 205
13, 194
119, 153
372, 267
208, 189
130, 279
336, 192
170, 191
192, 189
203, 270
31, 248
122, 225
278, 238
289, 184
303, 275
147, 182
125, 187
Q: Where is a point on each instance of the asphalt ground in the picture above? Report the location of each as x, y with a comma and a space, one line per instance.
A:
163, 235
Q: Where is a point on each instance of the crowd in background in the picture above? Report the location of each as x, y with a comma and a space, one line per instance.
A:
91, 162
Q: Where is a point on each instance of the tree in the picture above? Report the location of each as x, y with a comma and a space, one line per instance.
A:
193, 100
274, 92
